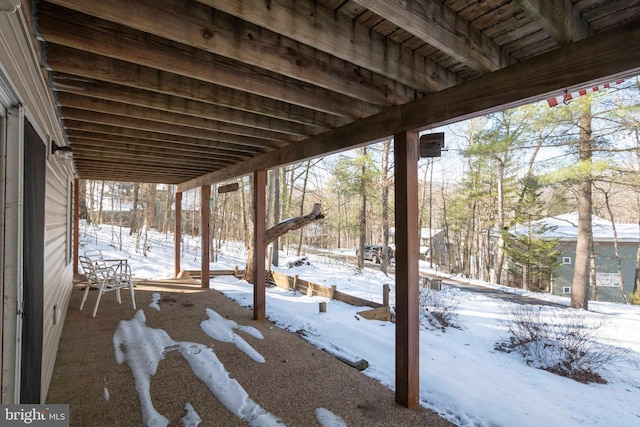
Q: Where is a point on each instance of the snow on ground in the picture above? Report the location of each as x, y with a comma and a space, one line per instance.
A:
462, 376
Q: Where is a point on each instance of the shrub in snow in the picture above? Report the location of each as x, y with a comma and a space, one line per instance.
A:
560, 340
438, 308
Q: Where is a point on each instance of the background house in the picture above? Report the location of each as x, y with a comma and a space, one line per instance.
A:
565, 229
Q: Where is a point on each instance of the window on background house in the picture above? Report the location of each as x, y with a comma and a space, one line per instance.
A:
610, 280
566, 260
566, 289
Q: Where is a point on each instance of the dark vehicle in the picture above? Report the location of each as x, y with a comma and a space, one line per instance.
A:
374, 253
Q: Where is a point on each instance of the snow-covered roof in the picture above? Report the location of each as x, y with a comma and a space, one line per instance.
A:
565, 228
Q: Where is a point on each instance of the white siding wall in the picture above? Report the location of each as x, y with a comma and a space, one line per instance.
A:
20, 65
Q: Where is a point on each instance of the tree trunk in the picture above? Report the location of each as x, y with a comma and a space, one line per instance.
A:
99, 218
304, 193
580, 285
166, 223
245, 225
278, 230
92, 201
615, 245
500, 225
387, 181
82, 192
363, 210
134, 211
150, 220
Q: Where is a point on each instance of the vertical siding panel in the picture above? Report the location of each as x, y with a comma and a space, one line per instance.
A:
20, 66
58, 280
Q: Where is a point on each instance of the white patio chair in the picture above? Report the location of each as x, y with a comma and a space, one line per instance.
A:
106, 278
98, 259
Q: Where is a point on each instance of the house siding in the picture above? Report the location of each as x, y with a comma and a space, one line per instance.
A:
20, 69
605, 262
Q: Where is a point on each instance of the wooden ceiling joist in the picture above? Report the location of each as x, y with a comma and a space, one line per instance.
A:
439, 26
102, 144
230, 142
563, 69
312, 23
85, 65
219, 33
76, 102
189, 107
179, 142
559, 18
284, 80
112, 40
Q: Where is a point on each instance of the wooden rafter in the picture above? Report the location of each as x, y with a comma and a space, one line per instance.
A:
438, 25
77, 102
219, 33
559, 18
340, 36
561, 69
79, 66
82, 32
174, 104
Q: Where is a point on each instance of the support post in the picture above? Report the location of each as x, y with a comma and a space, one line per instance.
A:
205, 214
177, 234
259, 229
385, 295
406, 155
76, 224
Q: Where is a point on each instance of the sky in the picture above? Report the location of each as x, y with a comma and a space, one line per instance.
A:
462, 375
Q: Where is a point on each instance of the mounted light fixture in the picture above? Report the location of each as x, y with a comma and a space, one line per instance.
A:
431, 144
64, 148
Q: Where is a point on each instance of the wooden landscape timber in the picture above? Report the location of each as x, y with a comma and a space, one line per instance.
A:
294, 283
338, 352
197, 274
381, 313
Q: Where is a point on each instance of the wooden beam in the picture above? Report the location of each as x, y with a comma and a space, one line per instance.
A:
79, 32
136, 164
78, 66
177, 234
559, 18
216, 32
406, 156
235, 144
178, 142
115, 151
309, 22
121, 109
110, 139
65, 84
599, 59
259, 228
438, 25
205, 219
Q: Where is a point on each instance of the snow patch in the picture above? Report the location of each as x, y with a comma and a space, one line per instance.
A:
155, 300
221, 329
329, 419
142, 348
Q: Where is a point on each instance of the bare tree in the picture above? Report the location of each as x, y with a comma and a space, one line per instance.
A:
363, 209
387, 181
166, 222
134, 210
278, 230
